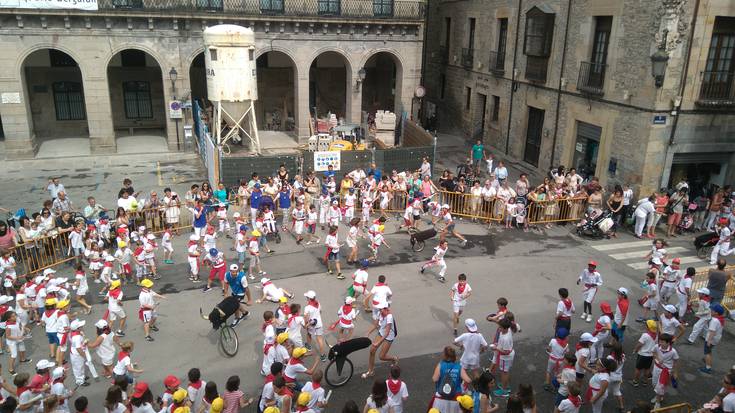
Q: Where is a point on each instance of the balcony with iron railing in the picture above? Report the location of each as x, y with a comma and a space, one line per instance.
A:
357, 9
468, 57
591, 78
537, 68
718, 89
496, 63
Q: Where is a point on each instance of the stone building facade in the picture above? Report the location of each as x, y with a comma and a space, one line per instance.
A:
108, 73
570, 82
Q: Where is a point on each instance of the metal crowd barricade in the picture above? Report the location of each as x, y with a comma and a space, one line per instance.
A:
557, 210
700, 280
41, 253
472, 206
674, 408
155, 219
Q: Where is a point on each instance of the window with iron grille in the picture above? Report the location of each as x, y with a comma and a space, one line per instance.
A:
69, 101
468, 97
60, 59
137, 100
209, 4
383, 8
496, 109
329, 7
719, 72
271, 6
537, 42
502, 40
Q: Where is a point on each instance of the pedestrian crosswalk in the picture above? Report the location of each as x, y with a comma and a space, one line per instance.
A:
632, 253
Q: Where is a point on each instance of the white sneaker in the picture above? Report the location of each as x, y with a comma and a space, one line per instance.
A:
589, 318
583, 316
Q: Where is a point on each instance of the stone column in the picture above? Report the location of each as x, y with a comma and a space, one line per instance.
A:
20, 142
168, 94
354, 98
301, 106
99, 113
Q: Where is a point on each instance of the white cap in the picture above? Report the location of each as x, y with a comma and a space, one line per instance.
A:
623, 290
48, 271
141, 228
335, 202
57, 373
77, 324
310, 294
101, 324
703, 290
471, 325
671, 308
151, 236
5, 299
194, 237
109, 258
445, 206
221, 205
39, 279
264, 280
58, 281
51, 288
44, 364
236, 215
349, 300
233, 267
587, 337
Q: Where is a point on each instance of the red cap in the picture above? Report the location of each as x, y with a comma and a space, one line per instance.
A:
171, 381
592, 263
724, 221
676, 261
139, 389
605, 307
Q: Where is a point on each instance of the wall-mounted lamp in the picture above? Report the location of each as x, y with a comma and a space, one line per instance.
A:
361, 74
173, 75
659, 61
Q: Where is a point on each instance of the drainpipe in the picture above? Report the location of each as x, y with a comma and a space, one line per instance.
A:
685, 73
513, 75
561, 76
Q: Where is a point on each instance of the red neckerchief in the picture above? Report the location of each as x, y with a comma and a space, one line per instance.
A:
652, 334
21, 389
394, 385
379, 284
346, 309
121, 355
115, 293
294, 361
302, 408
576, 400
196, 384
314, 303
461, 287
265, 325
285, 309
40, 286
567, 303
192, 243
721, 318
267, 348
562, 343
269, 378
315, 385
651, 282
291, 317
49, 313
706, 298
623, 306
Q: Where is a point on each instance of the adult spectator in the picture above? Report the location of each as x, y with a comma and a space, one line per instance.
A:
714, 208
478, 155
126, 201
64, 222
574, 180
627, 199
8, 237
448, 377
660, 204
54, 187
501, 172
700, 214
375, 171
683, 184
283, 174
62, 203
127, 188
329, 173
717, 281
642, 211
425, 168
92, 210
220, 194
522, 185
677, 202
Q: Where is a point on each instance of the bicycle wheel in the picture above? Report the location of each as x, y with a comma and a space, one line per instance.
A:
418, 246
336, 377
228, 341
704, 252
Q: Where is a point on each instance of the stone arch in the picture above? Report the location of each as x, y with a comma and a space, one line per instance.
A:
278, 74
135, 46
375, 94
331, 97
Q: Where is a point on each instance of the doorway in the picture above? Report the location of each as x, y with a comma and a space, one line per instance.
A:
586, 149
478, 132
533, 135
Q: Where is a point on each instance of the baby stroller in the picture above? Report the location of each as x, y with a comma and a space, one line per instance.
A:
418, 238
270, 224
704, 244
595, 224
686, 224
521, 212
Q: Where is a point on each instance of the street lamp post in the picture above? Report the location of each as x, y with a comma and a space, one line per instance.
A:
173, 75
658, 62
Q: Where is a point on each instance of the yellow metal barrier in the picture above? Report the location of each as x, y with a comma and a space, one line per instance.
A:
473, 206
700, 280
41, 253
675, 408
558, 210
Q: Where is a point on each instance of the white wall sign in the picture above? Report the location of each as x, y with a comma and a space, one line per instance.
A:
10, 97
49, 4
323, 159
174, 110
